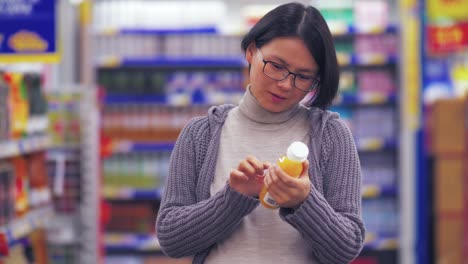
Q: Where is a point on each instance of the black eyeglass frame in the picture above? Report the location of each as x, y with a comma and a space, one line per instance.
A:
315, 80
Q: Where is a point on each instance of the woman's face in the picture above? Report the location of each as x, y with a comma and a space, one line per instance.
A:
285, 52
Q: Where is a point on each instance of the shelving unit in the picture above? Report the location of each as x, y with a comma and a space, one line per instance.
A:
367, 52
442, 200
25, 196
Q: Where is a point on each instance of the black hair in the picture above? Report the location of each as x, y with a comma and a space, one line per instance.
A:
305, 22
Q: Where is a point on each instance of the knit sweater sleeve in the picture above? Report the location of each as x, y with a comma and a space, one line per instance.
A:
331, 222
184, 225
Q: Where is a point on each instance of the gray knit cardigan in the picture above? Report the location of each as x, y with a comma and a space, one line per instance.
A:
191, 221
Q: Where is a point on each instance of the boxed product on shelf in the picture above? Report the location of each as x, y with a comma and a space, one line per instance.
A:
22, 105
64, 120
376, 82
7, 193
65, 177
448, 137
147, 122
365, 122
381, 218
4, 110
134, 218
379, 170
145, 170
371, 15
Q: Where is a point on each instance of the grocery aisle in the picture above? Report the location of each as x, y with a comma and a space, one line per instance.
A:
85, 144
159, 72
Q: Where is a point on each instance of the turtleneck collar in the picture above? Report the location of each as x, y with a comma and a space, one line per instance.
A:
251, 108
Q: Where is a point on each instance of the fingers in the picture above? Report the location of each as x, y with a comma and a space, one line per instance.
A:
280, 177
305, 170
238, 175
251, 166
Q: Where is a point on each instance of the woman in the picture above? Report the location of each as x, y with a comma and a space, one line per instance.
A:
210, 209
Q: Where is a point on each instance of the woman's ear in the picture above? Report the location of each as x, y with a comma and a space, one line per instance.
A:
250, 51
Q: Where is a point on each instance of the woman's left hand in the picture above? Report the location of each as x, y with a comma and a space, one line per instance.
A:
287, 191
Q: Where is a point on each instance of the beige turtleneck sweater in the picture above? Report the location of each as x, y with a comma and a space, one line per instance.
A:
262, 236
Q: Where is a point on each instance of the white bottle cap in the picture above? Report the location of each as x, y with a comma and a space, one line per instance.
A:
297, 151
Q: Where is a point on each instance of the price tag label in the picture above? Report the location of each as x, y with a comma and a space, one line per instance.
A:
373, 59
370, 191
21, 228
3, 245
9, 149
373, 98
343, 58
111, 62
370, 144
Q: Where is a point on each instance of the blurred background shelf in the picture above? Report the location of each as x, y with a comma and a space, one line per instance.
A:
375, 144
127, 193
172, 62
22, 226
365, 99
120, 243
375, 191
344, 30
17, 147
156, 31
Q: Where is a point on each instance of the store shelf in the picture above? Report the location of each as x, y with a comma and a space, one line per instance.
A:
27, 145
135, 99
375, 144
364, 99
126, 193
116, 242
374, 242
171, 62
127, 146
181, 100
366, 59
23, 226
155, 31
374, 191
355, 30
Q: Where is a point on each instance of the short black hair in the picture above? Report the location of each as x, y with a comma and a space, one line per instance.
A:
305, 22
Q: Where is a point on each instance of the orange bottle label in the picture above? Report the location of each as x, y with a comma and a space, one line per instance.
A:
292, 168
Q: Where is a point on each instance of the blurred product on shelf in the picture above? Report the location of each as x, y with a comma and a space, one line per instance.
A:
7, 193
65, 181
146, 45
23, 93
147, 122
109, 15
173, 87
64, 120
132, 218
144, 170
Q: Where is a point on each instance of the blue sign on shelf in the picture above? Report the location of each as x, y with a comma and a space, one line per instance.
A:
28, 31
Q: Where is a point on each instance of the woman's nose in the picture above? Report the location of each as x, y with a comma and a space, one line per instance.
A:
287, 83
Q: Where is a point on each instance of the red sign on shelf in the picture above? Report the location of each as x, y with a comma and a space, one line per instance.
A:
443, 39
3, 245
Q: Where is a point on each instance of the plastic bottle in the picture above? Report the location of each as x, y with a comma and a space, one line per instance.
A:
291, 164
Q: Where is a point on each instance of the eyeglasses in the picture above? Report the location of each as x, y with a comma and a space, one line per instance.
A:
279, 72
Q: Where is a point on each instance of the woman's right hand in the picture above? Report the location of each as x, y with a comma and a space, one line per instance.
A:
248, 177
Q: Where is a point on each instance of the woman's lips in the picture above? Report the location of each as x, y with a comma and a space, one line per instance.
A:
277, 99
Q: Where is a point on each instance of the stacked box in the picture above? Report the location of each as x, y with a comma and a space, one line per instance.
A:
449, 132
